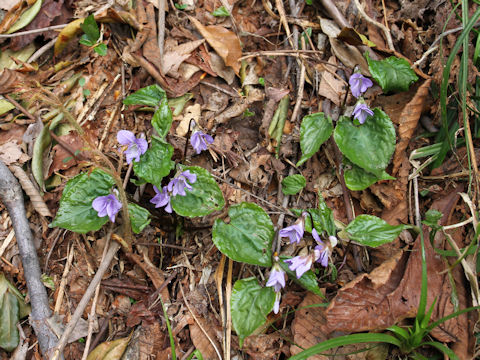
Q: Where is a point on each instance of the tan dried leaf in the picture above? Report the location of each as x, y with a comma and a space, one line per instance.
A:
408, 123
330, 86
225, 43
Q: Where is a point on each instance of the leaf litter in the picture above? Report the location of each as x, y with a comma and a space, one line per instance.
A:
202, 56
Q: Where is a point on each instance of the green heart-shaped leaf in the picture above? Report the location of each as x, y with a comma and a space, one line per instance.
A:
156, 163
314, 131
76, 212
358, 179
150, 96
392, 73
248, 237
250, 306
139, 217
205, 197
292, 184
370, 145
372, 231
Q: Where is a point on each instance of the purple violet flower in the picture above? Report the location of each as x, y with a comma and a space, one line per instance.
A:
322, 251
359, 84
178, 184
361, 112
300, 264
295, 231
276, 304
162, 199
199, 141
277, 278
107, 205
136, 147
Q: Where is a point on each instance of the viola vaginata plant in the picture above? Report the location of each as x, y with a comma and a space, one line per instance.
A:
365, 136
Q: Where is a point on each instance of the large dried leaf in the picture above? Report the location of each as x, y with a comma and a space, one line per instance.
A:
391, 292
408, 123
309, 326
224, 41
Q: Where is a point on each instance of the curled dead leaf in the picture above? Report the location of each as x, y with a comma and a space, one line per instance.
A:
225, 43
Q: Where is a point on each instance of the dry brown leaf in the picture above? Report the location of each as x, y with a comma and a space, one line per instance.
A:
201, 342
330, 86
349, 55
264, 346
31, 191
408, 123
225, 43
391, 292
309, 326
173, 59
11, 152
63, 159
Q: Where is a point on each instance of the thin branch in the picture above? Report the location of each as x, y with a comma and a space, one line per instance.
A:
376, 23
12, 197
35, 31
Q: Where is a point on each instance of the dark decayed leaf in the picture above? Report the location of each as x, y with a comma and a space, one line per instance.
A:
156, 163
42, 142
314, 131
372, 231
9, 316
369, 145
248, 237
205, 197
250, 305
76, 212
292, 184
392, 73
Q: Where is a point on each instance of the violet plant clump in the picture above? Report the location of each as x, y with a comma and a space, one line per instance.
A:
107, 205
135, 146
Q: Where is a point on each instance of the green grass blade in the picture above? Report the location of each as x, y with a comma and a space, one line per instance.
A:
448, 317
400, 332
170, 334
446, 71
443, 349
423, 293
346, 340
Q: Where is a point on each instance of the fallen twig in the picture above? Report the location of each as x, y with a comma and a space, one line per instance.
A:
12, 197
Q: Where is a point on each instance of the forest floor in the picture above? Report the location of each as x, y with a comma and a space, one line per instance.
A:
226, 65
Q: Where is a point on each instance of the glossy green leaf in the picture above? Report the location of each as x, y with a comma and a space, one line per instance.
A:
26, 18
9, 316
308, 280
156, 163
392, 73
250, 306
314, 131
247, 237
162, 118
293, 184
358, 179
90, 28
101, 49
76, 212
139, 217
150, 96
205, 197
372, 231
370, 145
42, 143
432, 217
221, 11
